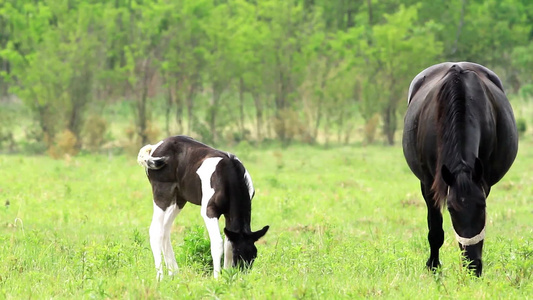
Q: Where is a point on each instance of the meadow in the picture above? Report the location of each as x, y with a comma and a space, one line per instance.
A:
346, 222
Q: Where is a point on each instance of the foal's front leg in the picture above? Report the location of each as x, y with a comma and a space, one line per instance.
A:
216, 242
205, 172
228, 253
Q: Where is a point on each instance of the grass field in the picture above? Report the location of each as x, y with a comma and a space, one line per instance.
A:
345, 222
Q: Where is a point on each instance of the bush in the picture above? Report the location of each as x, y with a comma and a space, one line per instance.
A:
371, 127
521, 125
196, 250
95, 130
133, 143
289, 126
65, 145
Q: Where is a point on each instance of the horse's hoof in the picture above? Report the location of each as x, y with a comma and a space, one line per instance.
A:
476, 266
432, 264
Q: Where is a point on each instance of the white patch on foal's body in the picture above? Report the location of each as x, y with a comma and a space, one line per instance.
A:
470, 241
205, 172
160, 238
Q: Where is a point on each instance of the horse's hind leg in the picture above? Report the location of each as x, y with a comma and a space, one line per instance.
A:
436, 234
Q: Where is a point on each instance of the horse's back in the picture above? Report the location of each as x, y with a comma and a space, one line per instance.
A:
498, 134
184, 157
433, 74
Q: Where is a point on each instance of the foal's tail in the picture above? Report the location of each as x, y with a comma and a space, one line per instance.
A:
146, 159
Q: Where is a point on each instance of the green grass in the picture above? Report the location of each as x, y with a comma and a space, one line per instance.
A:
346, 222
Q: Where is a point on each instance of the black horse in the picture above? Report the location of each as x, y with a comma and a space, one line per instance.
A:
183, 170
459, 139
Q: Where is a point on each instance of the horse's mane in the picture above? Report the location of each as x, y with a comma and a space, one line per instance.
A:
451, 121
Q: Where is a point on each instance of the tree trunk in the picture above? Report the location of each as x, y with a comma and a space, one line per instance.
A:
370, 13
80, 95
258, 115
389, 120
340, 124
213, 110
241, 107
170, 101
318, 119
142, 100
459, 27
178, 98
190, 107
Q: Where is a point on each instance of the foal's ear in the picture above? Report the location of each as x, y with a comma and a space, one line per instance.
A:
478, 170
259, 234
232, 235
447, 176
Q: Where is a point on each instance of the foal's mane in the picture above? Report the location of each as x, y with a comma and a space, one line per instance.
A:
451, 121
238, 187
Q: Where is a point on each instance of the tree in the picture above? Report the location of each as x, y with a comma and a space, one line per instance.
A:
399, 50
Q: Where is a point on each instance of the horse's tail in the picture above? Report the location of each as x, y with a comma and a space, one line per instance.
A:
145, 158
451, 112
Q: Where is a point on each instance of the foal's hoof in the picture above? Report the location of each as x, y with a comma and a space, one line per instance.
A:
172, 273
159, 276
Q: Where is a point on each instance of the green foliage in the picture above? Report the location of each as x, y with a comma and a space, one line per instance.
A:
95, 130
399, 47
521, 125
371, 127
64, 145
196, 250
225, 68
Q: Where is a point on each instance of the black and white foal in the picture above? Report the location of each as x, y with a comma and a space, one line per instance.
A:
180, 170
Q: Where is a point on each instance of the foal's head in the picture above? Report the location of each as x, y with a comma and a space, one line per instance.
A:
466, 203
244, 250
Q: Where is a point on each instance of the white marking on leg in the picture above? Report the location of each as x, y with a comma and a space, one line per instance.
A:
228, 253
156, 238
470, 241
205, 172
216, 243
170, 259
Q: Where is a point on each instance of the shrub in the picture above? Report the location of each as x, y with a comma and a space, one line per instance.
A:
289, 126
196, 249
521, 125
95, 130
371, 127
65, 144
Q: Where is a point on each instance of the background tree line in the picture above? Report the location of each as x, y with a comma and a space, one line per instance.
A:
304, 70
